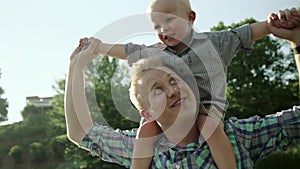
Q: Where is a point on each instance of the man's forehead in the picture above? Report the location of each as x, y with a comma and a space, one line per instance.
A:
151, 76
155, 75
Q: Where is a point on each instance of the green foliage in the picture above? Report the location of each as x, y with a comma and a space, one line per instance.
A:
68, 165
56, 117
289, 159
16, 153
58, 145
3, 105
35, 125
30, 110
37, 152
261, 81
99, 84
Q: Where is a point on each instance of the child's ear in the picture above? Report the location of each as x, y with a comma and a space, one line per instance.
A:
192, 16
146, 115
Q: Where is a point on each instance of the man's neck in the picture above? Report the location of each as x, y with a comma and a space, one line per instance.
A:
181, 136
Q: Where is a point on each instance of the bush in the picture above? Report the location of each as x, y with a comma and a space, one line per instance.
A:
37, 152
16, 153
278, 160
58, 145
68, 165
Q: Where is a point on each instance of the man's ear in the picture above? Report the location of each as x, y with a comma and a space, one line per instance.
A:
147, 115
192, 16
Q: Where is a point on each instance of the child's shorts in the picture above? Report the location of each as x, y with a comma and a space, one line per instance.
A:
213, 111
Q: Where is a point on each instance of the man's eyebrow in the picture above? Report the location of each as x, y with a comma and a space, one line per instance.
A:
149, 84
153, 85
171, 75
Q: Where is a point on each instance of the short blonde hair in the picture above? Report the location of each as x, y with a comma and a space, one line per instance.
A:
156, 59
185, 3
138, 69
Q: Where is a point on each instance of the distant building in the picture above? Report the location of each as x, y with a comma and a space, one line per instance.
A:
38, 101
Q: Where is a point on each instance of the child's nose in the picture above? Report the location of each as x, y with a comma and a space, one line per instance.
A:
164, 29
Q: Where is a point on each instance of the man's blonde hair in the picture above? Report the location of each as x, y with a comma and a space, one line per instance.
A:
184, 3
155, 59
138, 69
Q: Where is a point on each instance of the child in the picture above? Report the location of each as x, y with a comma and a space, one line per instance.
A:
208, 55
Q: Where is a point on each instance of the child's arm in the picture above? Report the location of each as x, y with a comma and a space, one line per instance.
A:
262, 29
220, 147
113, 50
259, 30
144, 145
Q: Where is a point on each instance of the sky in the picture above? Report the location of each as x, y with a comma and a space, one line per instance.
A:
38, 36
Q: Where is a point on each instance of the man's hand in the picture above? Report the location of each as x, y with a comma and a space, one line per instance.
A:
86, 51
285, 25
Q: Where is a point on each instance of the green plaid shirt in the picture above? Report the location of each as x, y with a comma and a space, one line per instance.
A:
252, 139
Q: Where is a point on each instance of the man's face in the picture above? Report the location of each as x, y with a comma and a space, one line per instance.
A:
172, 24
167, 97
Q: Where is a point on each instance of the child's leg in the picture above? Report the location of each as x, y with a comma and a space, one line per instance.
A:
211, 129
144, 145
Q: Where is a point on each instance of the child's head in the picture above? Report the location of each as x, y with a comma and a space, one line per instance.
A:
172, 21
183, 4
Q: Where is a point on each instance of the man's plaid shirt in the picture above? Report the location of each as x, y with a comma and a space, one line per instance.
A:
252, 139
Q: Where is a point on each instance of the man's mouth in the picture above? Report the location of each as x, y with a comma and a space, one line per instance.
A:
177, 103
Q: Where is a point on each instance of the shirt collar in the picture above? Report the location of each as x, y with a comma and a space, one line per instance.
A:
195, 36
164, 143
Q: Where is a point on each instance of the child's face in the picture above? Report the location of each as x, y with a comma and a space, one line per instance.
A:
172, 23
167, 97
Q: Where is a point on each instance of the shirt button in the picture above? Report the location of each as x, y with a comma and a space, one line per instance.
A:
177, 166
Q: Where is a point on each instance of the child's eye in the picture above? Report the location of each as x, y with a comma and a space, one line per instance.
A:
156, 27
169, 20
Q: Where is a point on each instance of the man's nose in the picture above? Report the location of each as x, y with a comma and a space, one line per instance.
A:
172, 90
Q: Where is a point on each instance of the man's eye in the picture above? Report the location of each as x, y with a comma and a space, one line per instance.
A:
157, 91
173, 81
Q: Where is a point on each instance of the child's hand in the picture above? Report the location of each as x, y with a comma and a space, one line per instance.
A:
83, 44
287, 19
285, 25
86, 51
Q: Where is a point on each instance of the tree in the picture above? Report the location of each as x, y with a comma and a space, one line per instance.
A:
102, 80
99, 81
37, 152
16, 153
261, 81
30, 110
3, 105
56, 116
